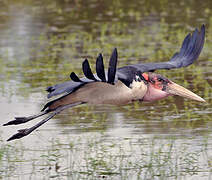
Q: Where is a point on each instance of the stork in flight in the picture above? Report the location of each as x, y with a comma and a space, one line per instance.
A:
118, 86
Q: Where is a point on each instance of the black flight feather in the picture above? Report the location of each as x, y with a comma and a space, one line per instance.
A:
74, 77
100, 70
112, 67
87, 70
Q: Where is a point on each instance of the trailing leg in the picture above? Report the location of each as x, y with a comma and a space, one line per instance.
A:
24, 132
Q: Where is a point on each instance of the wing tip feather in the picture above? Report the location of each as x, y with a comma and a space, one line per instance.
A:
190, 48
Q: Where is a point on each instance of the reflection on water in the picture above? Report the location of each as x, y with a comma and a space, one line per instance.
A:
42, 42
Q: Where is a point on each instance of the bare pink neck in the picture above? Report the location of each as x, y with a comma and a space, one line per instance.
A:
154, 94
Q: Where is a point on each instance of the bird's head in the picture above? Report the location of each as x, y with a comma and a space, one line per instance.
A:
160, 87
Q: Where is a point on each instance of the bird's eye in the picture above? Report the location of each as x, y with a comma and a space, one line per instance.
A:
160, 79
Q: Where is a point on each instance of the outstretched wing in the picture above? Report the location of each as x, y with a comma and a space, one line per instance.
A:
77, 82
189, 52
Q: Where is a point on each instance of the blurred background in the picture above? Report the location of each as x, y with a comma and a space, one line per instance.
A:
42, 42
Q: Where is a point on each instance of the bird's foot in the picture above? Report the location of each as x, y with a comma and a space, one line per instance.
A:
21, 133
18, 120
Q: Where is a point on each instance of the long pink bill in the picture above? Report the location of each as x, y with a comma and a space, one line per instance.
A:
176, 89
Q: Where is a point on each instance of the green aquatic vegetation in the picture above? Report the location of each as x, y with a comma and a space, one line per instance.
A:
142, 158
10, 156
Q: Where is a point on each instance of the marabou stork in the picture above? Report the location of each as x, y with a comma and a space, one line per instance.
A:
118, 86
